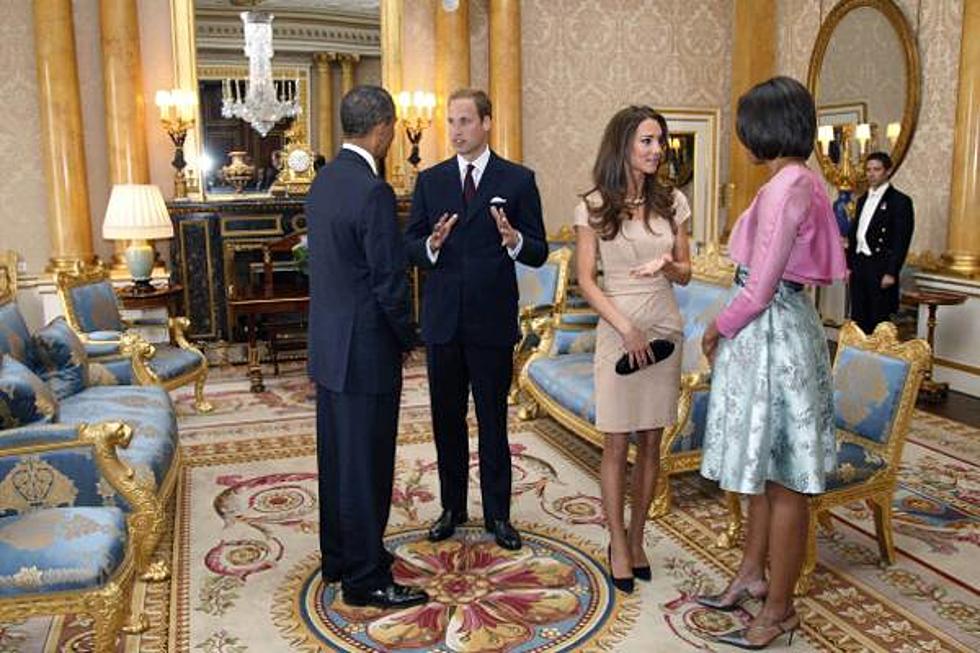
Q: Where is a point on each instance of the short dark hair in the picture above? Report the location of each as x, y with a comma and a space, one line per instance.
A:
883, 157
482, 101
777, 118
364, 107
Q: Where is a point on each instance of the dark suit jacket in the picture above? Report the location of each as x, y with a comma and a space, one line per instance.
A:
889, 232
471, 292
359, 311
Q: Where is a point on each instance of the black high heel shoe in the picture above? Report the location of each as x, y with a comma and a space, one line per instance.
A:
625, 585
643, 573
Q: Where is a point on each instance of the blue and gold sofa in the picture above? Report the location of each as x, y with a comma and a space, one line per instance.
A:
48, 373
122, 356
557, 378
75, 554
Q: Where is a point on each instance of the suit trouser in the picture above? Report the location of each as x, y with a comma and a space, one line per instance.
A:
453, 368
870, 304
356, 436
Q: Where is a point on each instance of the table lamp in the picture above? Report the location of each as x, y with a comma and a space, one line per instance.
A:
137, 213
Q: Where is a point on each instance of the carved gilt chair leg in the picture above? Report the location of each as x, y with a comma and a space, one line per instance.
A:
733, 532
108, 608
809, 558
201, 404
881, 504
529, 410
661, 496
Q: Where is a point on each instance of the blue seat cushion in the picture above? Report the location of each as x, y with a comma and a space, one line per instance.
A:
24, 398
102, 343
15, 339
147, 409
62, 360
568, 381
169, 362
58, 549
573, 341
855, 464
867, 391
95, 307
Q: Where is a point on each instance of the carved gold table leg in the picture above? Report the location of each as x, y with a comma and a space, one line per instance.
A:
254, 366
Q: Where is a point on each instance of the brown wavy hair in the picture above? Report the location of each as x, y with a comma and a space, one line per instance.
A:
611, 171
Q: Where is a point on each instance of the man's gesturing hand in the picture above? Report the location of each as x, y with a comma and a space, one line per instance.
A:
440, 232
508, 235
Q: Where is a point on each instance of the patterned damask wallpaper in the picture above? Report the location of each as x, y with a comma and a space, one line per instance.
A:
925, 173
586, 59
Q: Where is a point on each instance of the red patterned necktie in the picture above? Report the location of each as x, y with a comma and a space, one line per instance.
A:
469, 188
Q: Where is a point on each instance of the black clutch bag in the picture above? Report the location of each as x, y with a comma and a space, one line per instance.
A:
661, 349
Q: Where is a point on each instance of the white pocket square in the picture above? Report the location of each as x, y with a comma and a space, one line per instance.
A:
497, 200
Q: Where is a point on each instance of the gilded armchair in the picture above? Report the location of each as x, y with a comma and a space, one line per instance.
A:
92, 310
71, 557
876, 381
541, 294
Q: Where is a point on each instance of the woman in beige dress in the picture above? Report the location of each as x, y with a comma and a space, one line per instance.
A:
634, 225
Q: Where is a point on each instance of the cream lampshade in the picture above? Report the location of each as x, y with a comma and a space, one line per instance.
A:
137, 213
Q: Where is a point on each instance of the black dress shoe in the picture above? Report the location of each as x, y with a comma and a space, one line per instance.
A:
390, 596
506, 535
445, 526
329, 576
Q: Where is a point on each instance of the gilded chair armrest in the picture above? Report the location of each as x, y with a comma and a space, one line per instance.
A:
105, 438
140, 352
178, 334
691, 382
37, 435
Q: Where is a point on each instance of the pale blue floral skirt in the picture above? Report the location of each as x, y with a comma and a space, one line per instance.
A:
771, 411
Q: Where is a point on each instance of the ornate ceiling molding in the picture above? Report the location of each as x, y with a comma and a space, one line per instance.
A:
220, 30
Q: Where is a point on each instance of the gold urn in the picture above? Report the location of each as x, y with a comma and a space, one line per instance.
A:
238, 173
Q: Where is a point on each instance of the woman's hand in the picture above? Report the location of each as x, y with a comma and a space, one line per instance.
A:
637, 347
651, 267
709, 342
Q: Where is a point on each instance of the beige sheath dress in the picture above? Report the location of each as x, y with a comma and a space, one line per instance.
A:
646, 399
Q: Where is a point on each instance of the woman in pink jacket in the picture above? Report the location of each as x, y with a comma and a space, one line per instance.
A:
770, 425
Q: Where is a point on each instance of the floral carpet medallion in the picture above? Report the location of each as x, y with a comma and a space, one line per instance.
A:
549, 596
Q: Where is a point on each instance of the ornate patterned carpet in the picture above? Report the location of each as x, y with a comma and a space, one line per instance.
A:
245, 551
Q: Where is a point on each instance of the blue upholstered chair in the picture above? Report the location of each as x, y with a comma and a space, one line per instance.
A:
45, 381
876, 382
92, 310
541, 294
70, 553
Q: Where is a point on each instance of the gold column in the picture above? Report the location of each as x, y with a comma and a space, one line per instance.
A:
125, 107
452, 62
62, 135
392, 17
963, 238
347, 62
505, 78
753, 61
323, 109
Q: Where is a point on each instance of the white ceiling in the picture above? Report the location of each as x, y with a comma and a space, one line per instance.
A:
347, 6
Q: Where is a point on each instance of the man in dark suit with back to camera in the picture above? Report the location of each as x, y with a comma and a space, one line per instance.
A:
360, 335
877, 245
472, 217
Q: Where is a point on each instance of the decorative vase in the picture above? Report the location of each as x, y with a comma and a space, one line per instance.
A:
238, 173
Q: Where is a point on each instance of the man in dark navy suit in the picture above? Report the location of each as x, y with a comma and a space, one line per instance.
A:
472, 217
360, 335
877, 245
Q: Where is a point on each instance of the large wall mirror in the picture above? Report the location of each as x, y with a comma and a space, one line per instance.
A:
336, 43
865, 78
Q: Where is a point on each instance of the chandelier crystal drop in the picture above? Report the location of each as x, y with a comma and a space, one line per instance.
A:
258, 103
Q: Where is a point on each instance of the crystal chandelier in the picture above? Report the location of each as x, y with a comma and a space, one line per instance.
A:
259, 103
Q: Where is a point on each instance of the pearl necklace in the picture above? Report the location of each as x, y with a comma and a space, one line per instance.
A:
635, 201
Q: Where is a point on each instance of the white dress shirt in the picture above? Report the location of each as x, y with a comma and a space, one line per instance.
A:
367, 156
479, 165
868, 212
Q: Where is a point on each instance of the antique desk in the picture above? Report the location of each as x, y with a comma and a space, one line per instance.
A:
254, 301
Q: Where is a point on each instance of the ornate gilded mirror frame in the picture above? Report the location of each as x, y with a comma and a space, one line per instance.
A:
913, 71
185, 54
